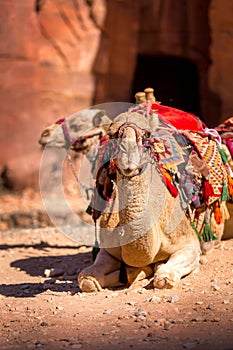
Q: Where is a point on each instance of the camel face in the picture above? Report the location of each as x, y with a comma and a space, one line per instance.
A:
78, 125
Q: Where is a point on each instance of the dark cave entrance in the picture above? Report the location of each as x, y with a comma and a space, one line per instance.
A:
175, 81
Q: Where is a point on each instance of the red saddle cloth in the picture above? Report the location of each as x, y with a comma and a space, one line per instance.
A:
177, 118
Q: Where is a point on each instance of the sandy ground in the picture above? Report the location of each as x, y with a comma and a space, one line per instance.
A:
39, 312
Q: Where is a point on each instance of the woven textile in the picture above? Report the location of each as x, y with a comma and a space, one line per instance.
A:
208, 150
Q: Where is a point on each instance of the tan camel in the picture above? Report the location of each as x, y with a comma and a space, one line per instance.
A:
107, 269
146, 240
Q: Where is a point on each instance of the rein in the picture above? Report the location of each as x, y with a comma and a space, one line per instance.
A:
70, 142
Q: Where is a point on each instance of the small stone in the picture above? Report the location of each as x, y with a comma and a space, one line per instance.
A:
140, 312
199, 303
203, 260
215, 319
173, 299
44, 324
189, 345
53, 272
167, 325
216, 288
59, 307
76, 346
226, 301
178, 320
141, 291
107, 312
154, 299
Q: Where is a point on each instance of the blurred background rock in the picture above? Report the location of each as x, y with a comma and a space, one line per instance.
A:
60, 56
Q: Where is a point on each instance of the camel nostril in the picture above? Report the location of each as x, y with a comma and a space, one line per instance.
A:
46, 133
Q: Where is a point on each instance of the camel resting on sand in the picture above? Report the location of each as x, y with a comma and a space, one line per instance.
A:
141, 230
134, 243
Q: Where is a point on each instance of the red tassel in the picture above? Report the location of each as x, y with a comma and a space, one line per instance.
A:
207, 190
173, 190
230, 185
218, 214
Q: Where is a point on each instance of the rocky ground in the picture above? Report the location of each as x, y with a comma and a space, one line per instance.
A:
42, 306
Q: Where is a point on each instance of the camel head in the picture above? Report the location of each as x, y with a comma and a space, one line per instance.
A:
77, 127
131, 131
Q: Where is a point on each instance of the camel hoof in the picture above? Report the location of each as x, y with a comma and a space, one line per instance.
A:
164, 279
89, 284
163, 283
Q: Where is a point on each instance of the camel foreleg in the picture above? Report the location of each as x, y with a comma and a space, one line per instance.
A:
180, 264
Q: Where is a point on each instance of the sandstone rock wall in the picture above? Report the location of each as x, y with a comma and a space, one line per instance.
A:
59, 56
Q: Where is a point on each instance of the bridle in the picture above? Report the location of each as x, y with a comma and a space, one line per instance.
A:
69, 142
143, 142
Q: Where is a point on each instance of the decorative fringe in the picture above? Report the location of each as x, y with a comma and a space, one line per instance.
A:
168, 182
218, 214
196, 231
207, 190
89, 209
225, 211
208, 234
225, 194
230, 185
223, 155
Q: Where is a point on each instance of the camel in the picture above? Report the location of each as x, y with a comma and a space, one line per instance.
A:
121, 254
71, 133
146, 242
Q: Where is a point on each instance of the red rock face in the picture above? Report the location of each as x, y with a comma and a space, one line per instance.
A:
60, 56
47, 49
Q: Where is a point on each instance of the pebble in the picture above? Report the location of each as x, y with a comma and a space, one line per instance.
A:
189, 345
107, 312
226, 301
141, 291
216, 288
167, 325
59, 307
173, 298
53, 272
141, 312
76, 346
154, 299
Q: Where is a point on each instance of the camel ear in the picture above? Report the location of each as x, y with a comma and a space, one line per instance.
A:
154, 122
101, 119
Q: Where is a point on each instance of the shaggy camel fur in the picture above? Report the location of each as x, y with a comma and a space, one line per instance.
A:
147, 238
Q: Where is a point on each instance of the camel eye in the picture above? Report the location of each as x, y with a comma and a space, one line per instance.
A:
75, 127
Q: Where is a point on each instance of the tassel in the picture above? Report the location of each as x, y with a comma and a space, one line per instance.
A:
218, 214
207, 190
95, 251
230, 185
223, 155
168, 182
208, 233
225, 194
225, 211
196, 231
173, 190
89, 209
